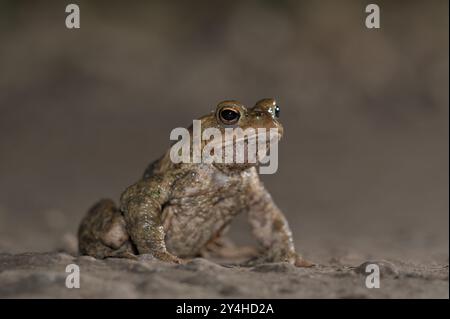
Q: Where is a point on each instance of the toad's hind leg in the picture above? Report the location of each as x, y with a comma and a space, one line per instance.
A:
224, 248
102, 232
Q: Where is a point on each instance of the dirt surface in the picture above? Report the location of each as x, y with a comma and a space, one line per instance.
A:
43, 275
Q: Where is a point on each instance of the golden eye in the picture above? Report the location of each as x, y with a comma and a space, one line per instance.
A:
229, 116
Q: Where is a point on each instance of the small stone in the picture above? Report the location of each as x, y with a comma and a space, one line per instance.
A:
386, 268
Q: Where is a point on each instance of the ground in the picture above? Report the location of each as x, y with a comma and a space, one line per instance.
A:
43, 275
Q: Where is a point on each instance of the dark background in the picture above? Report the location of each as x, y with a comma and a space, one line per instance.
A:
364, 162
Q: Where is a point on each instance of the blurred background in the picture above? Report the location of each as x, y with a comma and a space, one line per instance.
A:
363, 167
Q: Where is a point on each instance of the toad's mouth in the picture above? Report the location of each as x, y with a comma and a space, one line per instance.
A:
256, 139
244, 149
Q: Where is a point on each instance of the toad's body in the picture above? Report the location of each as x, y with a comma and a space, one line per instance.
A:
182, 210
205, 199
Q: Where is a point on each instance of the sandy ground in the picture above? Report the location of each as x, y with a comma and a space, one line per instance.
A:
43, 275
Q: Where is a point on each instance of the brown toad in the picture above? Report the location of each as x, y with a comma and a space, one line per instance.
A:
182, 210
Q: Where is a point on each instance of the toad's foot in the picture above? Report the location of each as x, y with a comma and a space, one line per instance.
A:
162, 256
301, 262
123, 254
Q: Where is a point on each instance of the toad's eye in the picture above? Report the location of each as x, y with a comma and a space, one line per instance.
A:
229, 116
277, 111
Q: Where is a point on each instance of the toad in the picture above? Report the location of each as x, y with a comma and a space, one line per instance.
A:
178, 211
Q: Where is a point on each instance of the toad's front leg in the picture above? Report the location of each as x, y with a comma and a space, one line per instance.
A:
141, 205
271, 228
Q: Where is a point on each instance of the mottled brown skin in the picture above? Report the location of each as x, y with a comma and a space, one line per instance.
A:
180, 211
